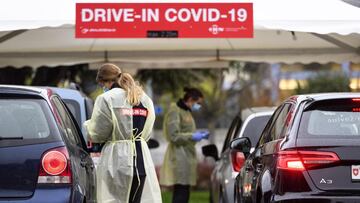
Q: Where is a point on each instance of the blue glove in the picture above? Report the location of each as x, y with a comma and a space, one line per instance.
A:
199, 135
205, 134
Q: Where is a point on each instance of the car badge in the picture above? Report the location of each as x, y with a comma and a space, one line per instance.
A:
355, 171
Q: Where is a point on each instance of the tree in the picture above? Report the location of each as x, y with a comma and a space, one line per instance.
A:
221, 103
325, 82
170, 81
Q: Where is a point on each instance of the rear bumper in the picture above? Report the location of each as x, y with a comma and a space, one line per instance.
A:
310, 198
45, 195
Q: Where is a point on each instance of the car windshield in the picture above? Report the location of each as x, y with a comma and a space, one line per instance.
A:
254, 128
338, 119
21, 118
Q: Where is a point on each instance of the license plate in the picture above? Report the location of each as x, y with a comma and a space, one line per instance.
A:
355, 172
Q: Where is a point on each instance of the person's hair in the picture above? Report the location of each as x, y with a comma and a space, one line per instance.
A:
193, 93
111, 72
133, 89
108, 73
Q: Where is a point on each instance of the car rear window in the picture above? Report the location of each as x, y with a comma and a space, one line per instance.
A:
254, 128
25, 121
331, 118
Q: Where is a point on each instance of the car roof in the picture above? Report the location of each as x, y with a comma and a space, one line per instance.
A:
19, 89
254, 111
65, 93
324, 96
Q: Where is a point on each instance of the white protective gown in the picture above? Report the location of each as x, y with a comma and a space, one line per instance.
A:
112, 122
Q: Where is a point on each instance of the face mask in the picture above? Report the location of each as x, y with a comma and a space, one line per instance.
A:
195, 107
105, 89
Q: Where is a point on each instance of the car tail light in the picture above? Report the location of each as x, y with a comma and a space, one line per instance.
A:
302, 160
55, 166
237, 160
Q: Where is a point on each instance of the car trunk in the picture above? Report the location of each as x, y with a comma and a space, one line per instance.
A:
19, 169
332, 128
338, 176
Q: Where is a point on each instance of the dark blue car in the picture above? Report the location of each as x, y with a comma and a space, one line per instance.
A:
43, 156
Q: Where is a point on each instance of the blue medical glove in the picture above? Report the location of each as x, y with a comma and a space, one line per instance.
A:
205, 134
197, 136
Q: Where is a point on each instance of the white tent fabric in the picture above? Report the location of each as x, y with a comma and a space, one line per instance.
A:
320, 16
57, 46
324, 31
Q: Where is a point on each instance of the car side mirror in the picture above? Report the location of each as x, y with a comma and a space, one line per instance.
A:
152, 143
242, 144
210, 151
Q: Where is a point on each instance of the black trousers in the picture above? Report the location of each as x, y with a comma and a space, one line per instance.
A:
138, 184
181, 193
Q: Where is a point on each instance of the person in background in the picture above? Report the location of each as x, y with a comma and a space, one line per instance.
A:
123, 118
180, 163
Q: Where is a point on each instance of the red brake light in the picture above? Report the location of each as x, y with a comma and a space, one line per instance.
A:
302, 160
54, 163
356, 100
237, 160
55, 167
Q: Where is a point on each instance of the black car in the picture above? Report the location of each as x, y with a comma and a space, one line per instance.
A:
43, 156
249, 123
308, 152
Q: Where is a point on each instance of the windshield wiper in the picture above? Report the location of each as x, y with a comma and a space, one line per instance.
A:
11, 138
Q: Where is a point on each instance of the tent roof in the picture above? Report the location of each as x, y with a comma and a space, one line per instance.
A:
332, 36
320, 16
57, 46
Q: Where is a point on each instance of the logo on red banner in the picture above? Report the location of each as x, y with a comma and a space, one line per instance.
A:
183, 20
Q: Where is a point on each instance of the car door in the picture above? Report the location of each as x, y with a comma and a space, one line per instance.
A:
83, 167
248, 175
224, 162
263, 158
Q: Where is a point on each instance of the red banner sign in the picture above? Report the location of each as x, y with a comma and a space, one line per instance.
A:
183, 20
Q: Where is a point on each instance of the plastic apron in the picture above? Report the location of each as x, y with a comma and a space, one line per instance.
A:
180, 163
112, 122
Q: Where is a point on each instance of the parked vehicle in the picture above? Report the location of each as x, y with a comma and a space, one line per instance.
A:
249, 124
43, 156
308, 152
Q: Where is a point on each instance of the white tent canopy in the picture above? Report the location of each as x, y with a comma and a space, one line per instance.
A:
324, 31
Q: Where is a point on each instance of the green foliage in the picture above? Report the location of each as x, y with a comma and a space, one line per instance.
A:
173, 80
325, 83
